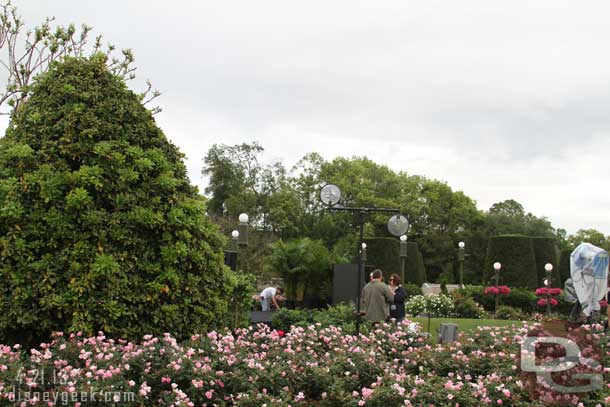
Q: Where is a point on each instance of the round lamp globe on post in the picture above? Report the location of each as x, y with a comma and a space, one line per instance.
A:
243, 218
497, 266
235, 234
403, 238
548, 267
461, 245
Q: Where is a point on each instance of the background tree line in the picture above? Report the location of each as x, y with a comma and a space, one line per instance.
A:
284, 207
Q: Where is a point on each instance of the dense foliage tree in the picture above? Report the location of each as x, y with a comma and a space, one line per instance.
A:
100, 228
289, 207
509, 217
595, 237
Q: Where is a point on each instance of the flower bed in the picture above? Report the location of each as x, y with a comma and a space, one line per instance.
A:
390, 366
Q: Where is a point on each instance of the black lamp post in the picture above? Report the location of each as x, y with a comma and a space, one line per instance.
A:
461, 256
397, 225
548, 268
235, 241
242, 229
497, 268
403, 257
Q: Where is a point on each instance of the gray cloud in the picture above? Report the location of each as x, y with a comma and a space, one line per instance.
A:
493, 97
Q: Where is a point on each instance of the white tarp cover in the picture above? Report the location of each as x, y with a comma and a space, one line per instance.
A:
589, 271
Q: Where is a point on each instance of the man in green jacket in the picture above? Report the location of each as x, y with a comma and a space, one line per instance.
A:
376, 298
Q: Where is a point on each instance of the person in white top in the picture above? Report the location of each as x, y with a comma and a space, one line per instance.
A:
270, 296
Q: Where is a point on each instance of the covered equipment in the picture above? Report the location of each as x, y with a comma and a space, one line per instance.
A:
589, 274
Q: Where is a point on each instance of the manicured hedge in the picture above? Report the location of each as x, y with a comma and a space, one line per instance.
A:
545, 250
384, 253
564, 265
415, 270
516, 253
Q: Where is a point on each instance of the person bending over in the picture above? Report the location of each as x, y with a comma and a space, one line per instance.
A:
270, 298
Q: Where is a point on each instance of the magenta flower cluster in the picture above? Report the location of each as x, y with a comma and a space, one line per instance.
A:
547, 294
497, 290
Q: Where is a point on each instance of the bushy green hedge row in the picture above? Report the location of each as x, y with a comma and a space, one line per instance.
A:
517, 254
384, 253
545, 251
564, 265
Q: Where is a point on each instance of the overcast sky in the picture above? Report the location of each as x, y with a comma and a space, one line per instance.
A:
501, 99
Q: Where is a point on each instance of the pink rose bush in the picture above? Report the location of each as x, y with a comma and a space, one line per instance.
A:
392, 365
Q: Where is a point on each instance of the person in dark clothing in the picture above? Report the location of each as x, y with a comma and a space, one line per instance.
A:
397, 307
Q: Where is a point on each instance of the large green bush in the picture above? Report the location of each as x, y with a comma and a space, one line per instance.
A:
100, 228
545, 250
466, 307
516, 253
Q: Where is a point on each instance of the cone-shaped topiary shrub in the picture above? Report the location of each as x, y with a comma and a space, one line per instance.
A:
516, 253
99, 226
545, 250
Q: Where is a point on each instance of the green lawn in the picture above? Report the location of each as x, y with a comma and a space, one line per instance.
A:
464, 325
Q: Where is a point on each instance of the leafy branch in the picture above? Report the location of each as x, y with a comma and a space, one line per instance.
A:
25, 55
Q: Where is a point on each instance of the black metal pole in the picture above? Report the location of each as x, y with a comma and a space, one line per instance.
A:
461, 256
403, 259
360, 272
497, 278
